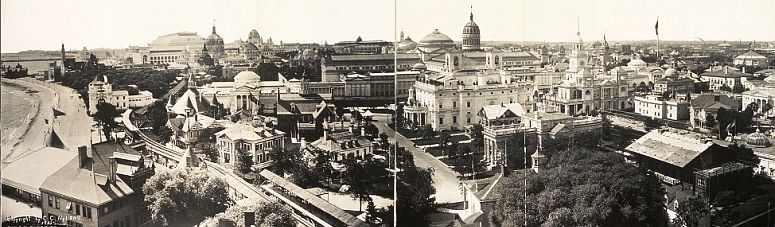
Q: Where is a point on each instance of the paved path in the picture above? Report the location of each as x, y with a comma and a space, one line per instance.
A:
444, 179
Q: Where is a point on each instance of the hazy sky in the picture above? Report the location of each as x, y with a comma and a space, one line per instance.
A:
44, 24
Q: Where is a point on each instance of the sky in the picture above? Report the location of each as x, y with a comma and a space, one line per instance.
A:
45, 24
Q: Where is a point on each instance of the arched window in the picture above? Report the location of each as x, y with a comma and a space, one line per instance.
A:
455, 61
497, 59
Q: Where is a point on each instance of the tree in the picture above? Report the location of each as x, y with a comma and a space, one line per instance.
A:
179, 197
209, 150
725, 87
105, 115
414, 195
384, 142
426, 131
691, 211
371, 130
710, 120
243, 162
267, 213
443, 139
286, 160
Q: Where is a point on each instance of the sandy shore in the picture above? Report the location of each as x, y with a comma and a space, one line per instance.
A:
30, 134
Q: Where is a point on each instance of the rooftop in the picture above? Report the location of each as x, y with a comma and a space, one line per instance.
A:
669, 147
28, 174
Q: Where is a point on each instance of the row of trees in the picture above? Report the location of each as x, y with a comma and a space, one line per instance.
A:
415, 188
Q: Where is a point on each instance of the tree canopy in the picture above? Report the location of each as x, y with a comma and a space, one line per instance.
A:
266, 214
581, 187
105, 115
175, 197
415, 187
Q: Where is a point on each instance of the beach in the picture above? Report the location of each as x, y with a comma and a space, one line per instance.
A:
28, 117
24, 125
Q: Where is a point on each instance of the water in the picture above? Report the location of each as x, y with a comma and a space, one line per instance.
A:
15, 105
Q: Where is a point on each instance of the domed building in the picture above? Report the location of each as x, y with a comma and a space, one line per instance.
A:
247, 77
757, 139
255, 38
435, 41
177, 48
471, 36
214, 44
406, 45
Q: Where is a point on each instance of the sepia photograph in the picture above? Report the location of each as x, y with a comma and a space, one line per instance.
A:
387, 113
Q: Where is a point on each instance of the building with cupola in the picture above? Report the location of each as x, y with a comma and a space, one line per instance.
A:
214, 44
455, 83
101, 91
585, 89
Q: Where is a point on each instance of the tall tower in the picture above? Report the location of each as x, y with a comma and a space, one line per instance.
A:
577, 58
62, 66
471, 35
214, 44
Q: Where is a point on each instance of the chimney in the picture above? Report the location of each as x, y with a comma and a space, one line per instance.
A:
303, 143
726, 69
743, 69
352, 129
83, 156
363, 131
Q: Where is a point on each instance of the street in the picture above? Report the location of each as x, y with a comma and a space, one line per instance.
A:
444, 179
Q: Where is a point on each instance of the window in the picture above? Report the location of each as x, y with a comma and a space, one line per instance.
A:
440, 106
468, 104
441, 120
454, 104
57, 203
50, 200
77, 209
454, 119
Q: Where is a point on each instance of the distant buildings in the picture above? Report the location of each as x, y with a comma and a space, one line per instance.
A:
335, 66
360, 46
100, 90
752, 58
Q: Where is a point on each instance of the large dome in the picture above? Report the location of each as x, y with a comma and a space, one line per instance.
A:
757, 139
435, 40
436, 37
247, 77
471, 36
214, 44
407, 45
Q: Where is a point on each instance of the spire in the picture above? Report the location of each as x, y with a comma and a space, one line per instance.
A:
472, 13
213, 26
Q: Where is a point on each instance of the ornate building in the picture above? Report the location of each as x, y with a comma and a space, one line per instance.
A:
582, 90
214, 43
101, 91
255, 38
455, 84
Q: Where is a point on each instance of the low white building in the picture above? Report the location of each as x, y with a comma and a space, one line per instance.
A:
102, 91
655, 106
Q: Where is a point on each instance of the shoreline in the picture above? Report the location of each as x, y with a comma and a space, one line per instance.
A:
29, 138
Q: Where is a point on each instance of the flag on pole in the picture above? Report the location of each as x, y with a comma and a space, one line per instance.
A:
656, 26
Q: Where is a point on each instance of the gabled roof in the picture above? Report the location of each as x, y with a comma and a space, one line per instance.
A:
669, 147
751, 54
709, 100
189, 100
247, 132
28, 174
498, 111
90, 183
